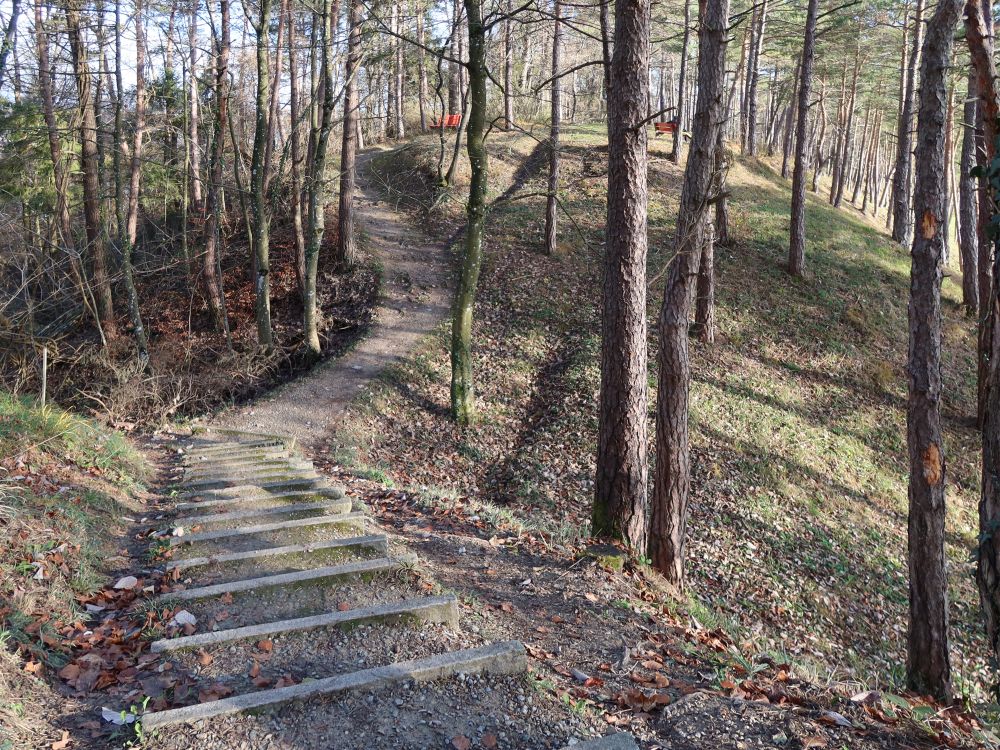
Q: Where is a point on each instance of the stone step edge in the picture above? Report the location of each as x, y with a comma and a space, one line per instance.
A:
507, 657
230, 445
264, 476
241, 467
330, 506
375, 541
208, 429
246, 454
617, 741
356, 518
434, 609
328, 493
264, 486
359, 567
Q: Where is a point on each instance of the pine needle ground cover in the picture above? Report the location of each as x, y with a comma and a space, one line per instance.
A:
798, 531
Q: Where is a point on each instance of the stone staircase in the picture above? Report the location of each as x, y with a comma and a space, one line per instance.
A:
293, 595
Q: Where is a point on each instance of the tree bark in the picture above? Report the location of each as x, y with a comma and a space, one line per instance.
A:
928, 667
8, 38
463, 397
91, 177
135, 173
317, 181
968, 236
753, 78
212, 261
346, 246
797, 234
620, 492
422, 66
295, 138
552, 201
902, 198
197, 191
979, 35
682, 77
672, 477
260, 214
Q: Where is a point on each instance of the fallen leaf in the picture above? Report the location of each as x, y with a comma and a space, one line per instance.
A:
461, 742
205, 658
63, 743
813, 741
266, 646
254, 670
343, 606
489, 741
832, 717
34, 667
226, 598
70, 672
507, 607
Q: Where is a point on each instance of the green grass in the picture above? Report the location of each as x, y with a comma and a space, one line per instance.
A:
797, 536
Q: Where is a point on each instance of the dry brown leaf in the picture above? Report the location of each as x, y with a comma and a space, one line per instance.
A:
489, 741
461, 742
204, 658
266, 645
813, 740
63, 743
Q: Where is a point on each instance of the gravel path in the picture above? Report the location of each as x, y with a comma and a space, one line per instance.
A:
414, 300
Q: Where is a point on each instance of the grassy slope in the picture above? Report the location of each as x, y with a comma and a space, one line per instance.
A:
65, 485
798, 527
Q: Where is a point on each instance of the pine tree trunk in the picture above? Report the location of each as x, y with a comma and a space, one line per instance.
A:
346, 246
552, 201
606, 34
797, 234
928, 667
968, 236
789, 141
902, 198
197, 190
672, 477
620, 492
8, 38
978, 31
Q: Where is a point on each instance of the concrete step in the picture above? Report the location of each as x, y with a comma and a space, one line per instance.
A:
260, 487
240, 469
617, 741
264, 477
327, 507
342, 519
330, 493
327, 573
377, 542
250, 454
435, 609
507, 657
215, 448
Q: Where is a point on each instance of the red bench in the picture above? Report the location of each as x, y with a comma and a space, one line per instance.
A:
450, 121
664, 127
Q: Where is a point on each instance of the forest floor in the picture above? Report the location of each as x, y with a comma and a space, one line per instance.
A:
792, 632
797, 553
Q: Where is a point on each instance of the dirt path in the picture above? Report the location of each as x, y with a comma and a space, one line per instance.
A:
414, 300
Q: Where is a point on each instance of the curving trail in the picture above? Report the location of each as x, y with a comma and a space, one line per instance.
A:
414, 299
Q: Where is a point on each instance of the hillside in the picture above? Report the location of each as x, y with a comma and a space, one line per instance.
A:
798, 528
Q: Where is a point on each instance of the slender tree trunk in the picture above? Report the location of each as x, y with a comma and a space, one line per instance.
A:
786, 151
552, 202
508, 68
317, 181
261, 218
295, 138
620, 494
753, 79
968, 236
454, 69
398, 74
902, 196
422, 67
463, 398
606, 33
197, 196
212, 262
849, 128
978, 32
9, 37
346, 248
135, 173
797, 235
678, 131
928, 668
672, 477
91, 177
